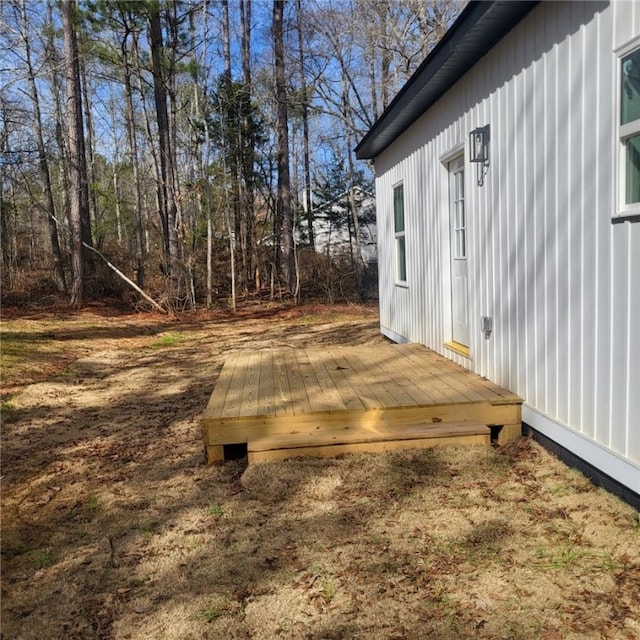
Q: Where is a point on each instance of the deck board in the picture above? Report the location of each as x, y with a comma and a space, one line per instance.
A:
219, 396
264, 393
378, 386
299, 397
232, 401
326, 383
388, 375
331, 436
425, 378
282, 391
355, 396
405, 376
266, 385
450, 380
349, 400
250, 387
321, 397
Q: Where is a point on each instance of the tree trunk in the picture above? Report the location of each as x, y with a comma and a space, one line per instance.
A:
116, 194
78, 187
55, 63
6, 253
284, 180
8, 249
133, 146
305, 130
90, 159
203, 147
248, 146
226, 40
351, 179
166, 192
232, 253
173, 168
58, 269
233, 144
385, 71
372, 75
245, 19
155, 165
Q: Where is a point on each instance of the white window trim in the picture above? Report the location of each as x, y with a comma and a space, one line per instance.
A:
624, 131
399, 234
452, 154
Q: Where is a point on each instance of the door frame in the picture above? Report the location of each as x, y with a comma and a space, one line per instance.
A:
454, 153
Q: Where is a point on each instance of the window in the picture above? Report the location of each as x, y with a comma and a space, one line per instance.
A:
458, 217
399, 232
629, 133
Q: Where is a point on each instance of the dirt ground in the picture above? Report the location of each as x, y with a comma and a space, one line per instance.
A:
112, 526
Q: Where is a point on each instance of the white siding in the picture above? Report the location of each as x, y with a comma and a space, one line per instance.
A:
559, 278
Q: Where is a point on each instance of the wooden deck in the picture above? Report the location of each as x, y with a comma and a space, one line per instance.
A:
330, 400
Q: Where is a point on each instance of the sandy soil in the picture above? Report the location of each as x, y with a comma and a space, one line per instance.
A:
112, 527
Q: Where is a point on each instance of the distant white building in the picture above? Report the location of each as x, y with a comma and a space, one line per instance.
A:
333, 226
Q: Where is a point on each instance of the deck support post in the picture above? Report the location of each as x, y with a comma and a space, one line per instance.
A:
509, 432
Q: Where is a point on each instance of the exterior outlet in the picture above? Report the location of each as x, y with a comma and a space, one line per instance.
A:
486, 323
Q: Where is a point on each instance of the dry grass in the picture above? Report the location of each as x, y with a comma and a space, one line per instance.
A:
113, 528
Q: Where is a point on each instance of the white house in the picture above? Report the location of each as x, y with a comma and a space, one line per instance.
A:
524, 266
333, 225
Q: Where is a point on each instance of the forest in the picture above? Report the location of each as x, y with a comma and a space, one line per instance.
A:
174, 154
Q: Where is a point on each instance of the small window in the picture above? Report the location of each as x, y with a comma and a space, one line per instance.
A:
629, 133
399, 233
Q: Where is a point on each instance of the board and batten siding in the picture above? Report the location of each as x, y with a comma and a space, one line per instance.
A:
559, 276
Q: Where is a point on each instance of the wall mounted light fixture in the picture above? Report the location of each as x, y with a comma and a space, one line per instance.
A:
479, 149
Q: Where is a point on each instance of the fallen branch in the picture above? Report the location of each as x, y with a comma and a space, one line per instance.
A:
115, 269
111, 266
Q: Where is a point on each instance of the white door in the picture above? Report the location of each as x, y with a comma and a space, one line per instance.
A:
459, 267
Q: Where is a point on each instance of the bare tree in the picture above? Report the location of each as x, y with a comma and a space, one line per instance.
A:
78, 185
247, 195
55, 63
133, 143
85, 89
43, 162
226, 39
304, 92
166, 193
232, 213
198, 144
282, 128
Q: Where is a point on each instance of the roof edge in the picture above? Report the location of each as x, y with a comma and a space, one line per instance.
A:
415, 97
